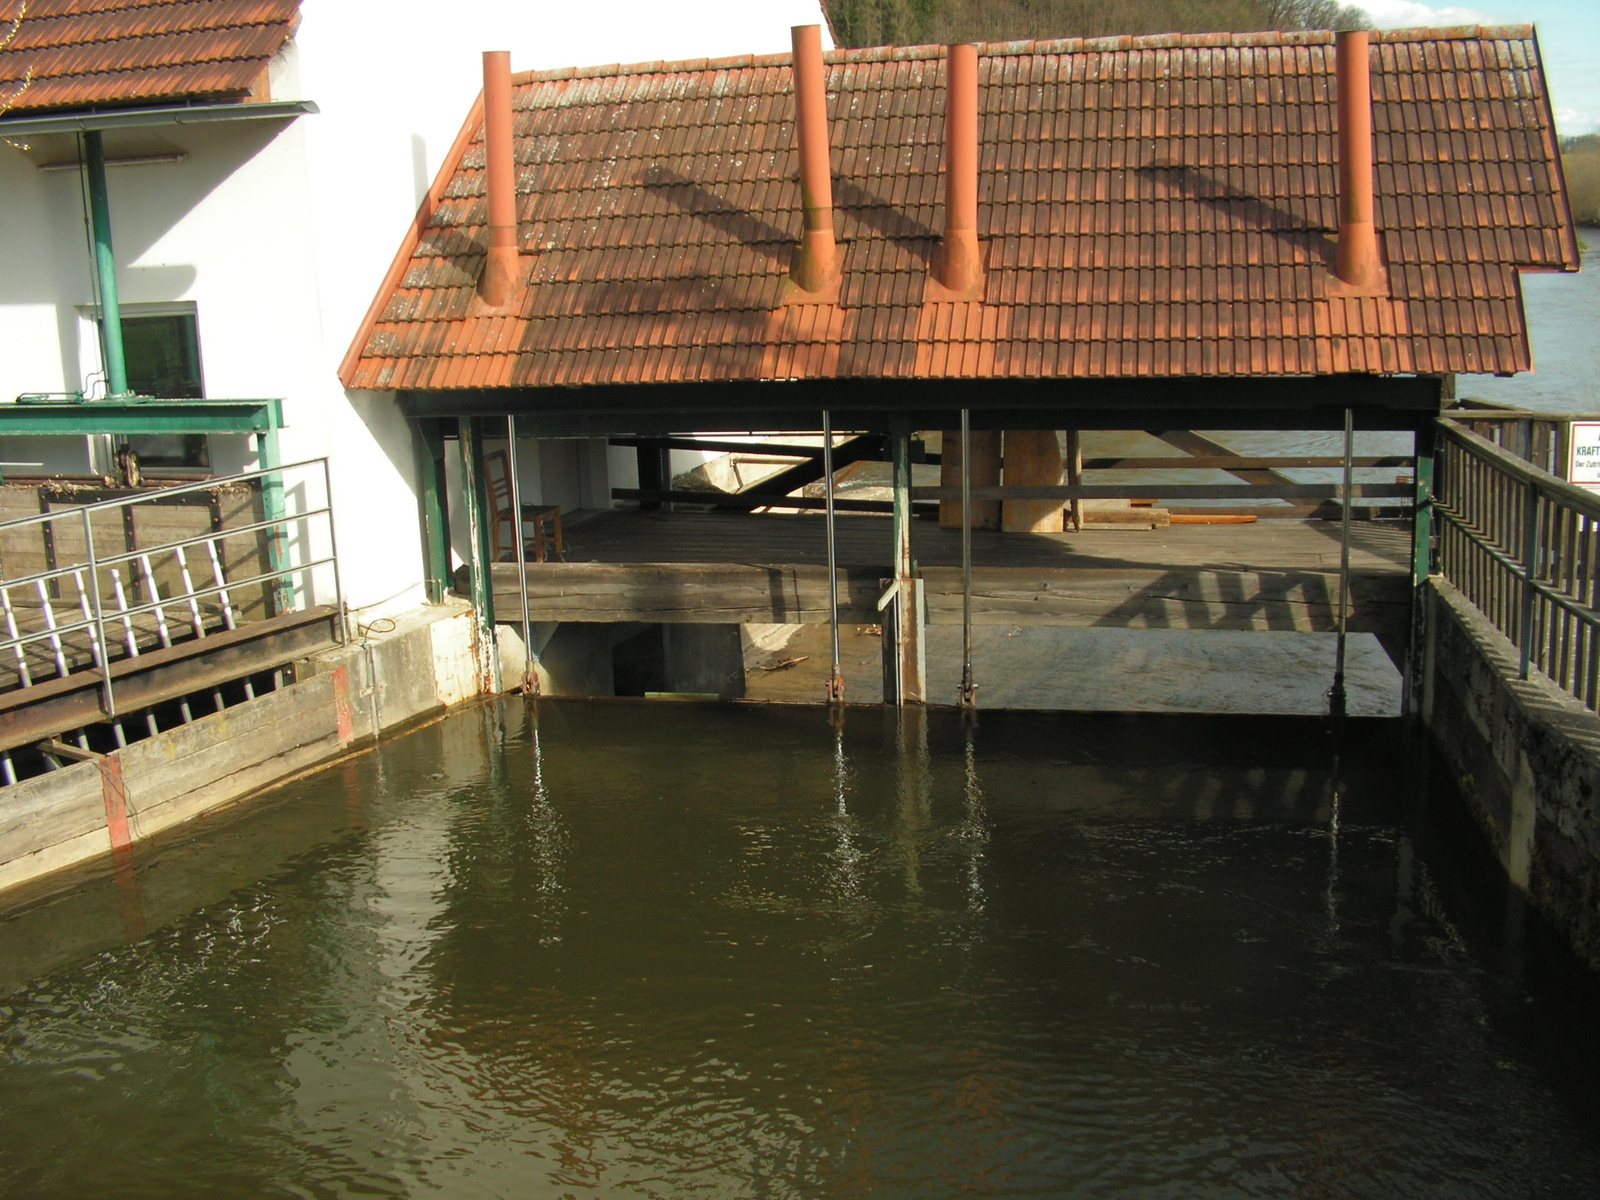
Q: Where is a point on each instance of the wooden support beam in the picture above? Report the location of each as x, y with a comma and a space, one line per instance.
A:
1194, 443
1032, 460
985, 473
1012, 493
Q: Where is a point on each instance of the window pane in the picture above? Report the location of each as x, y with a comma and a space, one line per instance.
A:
163, 359
163, 355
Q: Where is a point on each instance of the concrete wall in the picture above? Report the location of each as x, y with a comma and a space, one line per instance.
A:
384, 679
1527, 759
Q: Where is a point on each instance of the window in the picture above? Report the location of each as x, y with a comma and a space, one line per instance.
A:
163, 359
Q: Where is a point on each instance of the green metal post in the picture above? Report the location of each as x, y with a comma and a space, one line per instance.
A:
268, 457
435, 507
907, 648
475, 499
105, 264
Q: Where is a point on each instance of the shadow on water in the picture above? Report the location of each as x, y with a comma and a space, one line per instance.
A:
632, 948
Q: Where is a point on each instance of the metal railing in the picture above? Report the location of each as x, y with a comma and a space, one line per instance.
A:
1543, 439
104, 596
1524, 547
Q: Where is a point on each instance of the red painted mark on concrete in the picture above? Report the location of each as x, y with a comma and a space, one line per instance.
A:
341, 705
116, 797
129, 901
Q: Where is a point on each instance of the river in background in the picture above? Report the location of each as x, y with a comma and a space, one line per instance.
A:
631, 949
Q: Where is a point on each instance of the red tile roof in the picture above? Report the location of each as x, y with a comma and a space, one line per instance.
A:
1149, 207
63, 54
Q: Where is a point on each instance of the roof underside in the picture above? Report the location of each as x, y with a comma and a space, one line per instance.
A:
1156, 207
60, 54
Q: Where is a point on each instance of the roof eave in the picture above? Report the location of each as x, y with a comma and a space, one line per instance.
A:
166, 115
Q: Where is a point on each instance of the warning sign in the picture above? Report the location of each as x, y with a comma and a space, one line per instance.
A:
1583, 463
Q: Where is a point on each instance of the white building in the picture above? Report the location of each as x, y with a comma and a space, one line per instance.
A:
248, 250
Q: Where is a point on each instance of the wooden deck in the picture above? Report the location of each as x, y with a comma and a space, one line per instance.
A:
768, 568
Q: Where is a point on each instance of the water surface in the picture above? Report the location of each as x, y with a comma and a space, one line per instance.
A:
669, 950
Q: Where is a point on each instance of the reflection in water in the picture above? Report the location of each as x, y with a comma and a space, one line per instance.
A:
654, 950
913, 788
973, 832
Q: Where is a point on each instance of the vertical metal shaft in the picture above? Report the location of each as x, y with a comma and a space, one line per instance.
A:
530, 674
835, 677
969, 690
1336, 694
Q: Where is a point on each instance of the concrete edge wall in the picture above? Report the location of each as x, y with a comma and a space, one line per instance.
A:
418, 664
1526, 757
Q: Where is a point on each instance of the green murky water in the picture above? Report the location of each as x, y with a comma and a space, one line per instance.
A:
662, 950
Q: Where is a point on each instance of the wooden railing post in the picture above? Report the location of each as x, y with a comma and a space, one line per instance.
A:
1532, 528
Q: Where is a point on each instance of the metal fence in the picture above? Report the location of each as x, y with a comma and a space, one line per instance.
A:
1524, 547
96, 602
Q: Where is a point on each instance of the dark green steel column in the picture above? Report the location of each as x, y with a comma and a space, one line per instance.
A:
434, 507
268, 457
475, 504
105, 264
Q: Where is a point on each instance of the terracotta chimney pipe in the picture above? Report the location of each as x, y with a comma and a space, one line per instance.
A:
960, 268
817, 263
500, 271
1357, 259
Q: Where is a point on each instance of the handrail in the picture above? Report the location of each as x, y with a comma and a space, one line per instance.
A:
1523, 546
1521, 469
204, 485
187, 579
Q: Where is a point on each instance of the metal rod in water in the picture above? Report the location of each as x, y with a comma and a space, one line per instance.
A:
530, 671
97, 634
195, 619
155, 599
11, 631
50, 625
227, 605
130, 637
1336, 694
161, 622
101, 655
222, 585
969, 690
835, 676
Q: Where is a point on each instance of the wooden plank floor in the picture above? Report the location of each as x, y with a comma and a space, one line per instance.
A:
629, 566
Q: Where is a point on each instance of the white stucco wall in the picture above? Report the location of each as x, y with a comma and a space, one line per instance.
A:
279, 233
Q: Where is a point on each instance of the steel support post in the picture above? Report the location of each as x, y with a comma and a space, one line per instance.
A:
1421, 566
969, 689
906, 674
268, 458
530, 667
435, 506
475, 503
105, 265
835, 675
1336, 694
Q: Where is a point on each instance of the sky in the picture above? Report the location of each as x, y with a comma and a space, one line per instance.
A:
1569, 42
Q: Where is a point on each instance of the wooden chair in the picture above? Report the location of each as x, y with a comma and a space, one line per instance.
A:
546, 520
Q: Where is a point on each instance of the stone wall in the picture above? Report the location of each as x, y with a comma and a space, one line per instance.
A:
1527, 760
